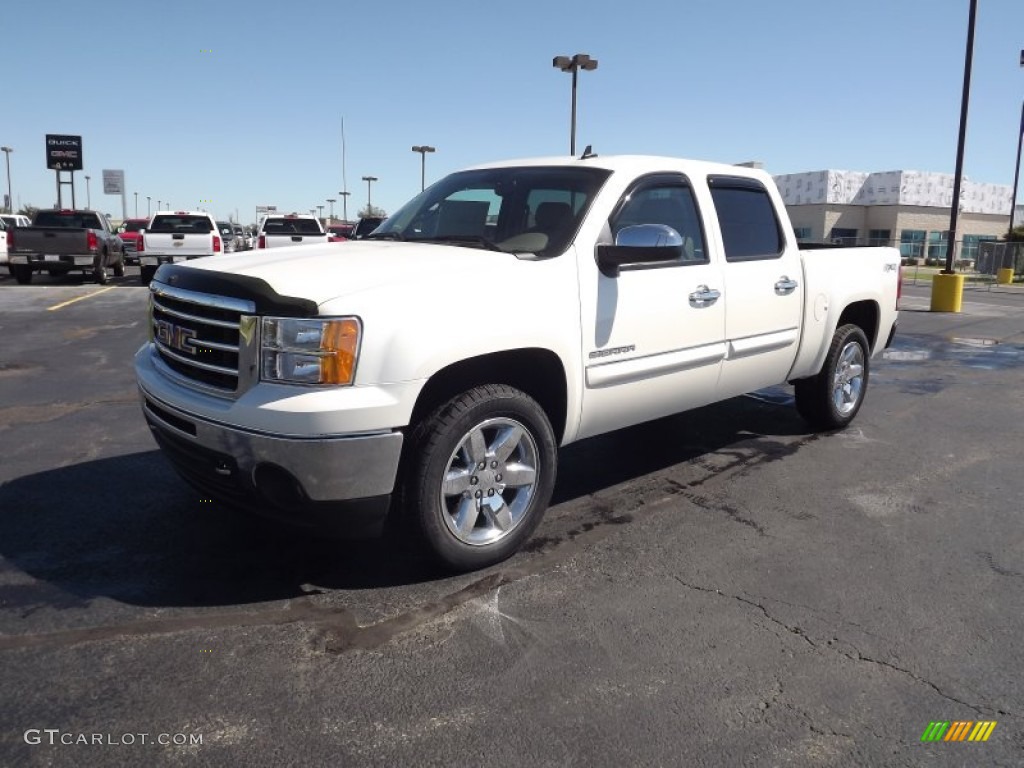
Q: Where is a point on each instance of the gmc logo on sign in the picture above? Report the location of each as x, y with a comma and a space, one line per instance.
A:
175, 336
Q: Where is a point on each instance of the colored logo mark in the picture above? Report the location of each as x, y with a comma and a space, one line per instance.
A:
958, 730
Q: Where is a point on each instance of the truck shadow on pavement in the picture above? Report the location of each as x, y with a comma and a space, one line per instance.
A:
128, 529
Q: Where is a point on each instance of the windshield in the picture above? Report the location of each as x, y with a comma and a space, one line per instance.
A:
134, 225
531, 209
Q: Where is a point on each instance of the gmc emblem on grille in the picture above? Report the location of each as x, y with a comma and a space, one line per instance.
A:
175, 336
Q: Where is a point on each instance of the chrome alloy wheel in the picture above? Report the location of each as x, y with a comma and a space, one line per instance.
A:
489, 482
848, 380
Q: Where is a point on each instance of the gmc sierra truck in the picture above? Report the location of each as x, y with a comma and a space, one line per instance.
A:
432, 370
62, 241
173, 236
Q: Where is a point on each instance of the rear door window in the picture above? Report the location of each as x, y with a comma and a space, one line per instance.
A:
747, 218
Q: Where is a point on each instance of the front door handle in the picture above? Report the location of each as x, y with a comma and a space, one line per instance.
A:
704, 296
785, 286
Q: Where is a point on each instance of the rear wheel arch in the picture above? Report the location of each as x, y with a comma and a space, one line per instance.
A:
865, 315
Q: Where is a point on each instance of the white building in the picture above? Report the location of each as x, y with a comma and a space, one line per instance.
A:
909, 209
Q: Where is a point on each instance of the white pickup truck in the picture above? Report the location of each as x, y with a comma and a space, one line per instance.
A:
173, 236
433, 370
282, 230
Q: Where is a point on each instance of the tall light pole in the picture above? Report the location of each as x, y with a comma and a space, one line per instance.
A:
369, 194
331, 201
158, 206
948, 286
320, 208
88, 196
10, 198
959, 172
1016, 168
423, 163
136, 205
148, 200
566, 64
344, 205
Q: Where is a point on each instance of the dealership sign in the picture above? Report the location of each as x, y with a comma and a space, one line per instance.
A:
63, 153
113, 182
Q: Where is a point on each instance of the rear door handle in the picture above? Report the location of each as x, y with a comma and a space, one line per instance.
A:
704, 296
785, 286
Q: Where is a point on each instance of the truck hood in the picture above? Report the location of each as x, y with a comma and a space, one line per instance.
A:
331, 270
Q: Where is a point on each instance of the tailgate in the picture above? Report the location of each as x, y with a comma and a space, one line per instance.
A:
50, 240
281, 240
184, 244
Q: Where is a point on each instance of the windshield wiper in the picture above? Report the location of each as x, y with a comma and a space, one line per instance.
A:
469, 239
384, 236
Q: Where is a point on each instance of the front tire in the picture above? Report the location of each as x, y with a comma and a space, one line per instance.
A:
147, 274
481, 469
831, 399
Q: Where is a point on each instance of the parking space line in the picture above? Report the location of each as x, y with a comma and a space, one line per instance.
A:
87, 296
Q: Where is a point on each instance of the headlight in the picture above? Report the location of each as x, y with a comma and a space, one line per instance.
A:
309, 350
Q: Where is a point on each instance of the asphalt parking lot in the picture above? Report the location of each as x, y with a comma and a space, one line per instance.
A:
720, 588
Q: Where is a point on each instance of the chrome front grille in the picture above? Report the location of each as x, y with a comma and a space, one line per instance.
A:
209, 340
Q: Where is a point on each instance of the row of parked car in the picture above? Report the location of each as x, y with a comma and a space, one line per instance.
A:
64, 240
235, 237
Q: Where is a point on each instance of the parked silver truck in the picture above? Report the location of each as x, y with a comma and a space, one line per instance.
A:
62, 241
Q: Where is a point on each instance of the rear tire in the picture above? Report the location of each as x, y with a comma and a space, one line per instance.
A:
119, 267
22, 273
831, 399
479, 476
99, 274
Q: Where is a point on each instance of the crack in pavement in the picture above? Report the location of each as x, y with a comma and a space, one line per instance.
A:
859, 657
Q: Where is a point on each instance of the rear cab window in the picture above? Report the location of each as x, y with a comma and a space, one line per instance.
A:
68, 220
180, 223
747, 218
283, 225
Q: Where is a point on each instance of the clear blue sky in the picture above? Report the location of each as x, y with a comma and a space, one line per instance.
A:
800, 85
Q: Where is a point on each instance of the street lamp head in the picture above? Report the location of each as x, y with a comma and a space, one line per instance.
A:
424, 148
563, 63
579, 61
369, 178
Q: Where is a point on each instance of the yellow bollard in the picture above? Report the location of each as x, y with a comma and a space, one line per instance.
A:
1004, 276
947, 292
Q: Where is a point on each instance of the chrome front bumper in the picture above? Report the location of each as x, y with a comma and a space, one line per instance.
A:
308, 481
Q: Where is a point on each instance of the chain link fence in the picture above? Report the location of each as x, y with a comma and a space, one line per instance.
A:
993, 256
